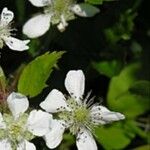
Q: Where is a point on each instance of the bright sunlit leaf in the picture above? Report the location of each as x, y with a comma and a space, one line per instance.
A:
34, 76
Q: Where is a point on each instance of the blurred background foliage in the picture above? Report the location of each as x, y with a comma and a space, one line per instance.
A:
113, 50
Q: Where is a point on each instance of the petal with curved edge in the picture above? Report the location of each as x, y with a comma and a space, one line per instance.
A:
102, 115
55, 136
16, 44
5, 145
84, 10
75, 83
17, 104
25, 145
40, 3
37, 26
85, 140
39, 122
6, 16
2, 123
54, 102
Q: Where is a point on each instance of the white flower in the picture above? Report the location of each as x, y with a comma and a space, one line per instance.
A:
5, 32
75, 113
56, 12
17, 129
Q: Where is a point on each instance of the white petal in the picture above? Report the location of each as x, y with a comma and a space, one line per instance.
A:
85, 140
5, 145
102, 115
25, 145
54, 102
16, 44
6, 16
37, 26
39, 122
74, 83
17, 104
40, 3
84, 10
55, 136
2, 123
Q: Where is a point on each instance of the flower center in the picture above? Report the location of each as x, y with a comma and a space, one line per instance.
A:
58, 8
15, 129
4, 31
78, 116
62, 5
81, 114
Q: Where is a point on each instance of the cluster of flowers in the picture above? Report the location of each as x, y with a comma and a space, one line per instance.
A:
75, 113
79, 115
55, 11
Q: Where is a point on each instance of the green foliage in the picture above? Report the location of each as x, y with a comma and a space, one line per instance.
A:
130, 96
68, 140
122, 29
131, 126
109, 136
123, 132
141, 87
144, 147
2, 80
34, 47
97, 2
34, 76
120, 99
112, 46
108, 68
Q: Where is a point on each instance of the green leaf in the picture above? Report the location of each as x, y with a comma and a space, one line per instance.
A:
144, 147
122, 29
2, 80
34, 76
120, 99
113, 137
124, 132
141, 87
130, 105
95, 2
89, 9
34, 47
108, 68
131, 126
